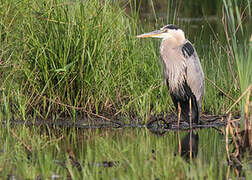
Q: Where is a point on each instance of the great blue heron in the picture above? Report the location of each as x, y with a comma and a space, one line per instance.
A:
182, 71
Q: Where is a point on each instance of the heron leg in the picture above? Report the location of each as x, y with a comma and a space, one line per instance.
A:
190, 144
190, 121
179, 114
190, 113
179, 142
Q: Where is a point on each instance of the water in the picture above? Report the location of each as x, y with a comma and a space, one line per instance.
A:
138, 151
201, 20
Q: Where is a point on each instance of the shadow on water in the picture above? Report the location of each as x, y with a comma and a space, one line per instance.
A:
188, 145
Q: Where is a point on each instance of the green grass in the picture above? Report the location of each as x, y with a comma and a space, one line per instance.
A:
66, 59
240, 49
63, 56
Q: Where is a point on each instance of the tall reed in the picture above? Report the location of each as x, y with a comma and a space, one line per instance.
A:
64, 58
238, 42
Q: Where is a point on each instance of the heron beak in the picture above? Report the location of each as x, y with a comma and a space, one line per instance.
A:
157, 34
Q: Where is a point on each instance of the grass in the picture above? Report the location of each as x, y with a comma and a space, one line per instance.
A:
67, 56
69, 59
240, 50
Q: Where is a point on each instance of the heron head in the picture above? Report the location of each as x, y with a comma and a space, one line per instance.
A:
165, 32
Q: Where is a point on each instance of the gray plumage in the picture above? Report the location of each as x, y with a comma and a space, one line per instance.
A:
182, 70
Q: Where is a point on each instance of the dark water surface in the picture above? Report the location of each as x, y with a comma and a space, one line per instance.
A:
201, 20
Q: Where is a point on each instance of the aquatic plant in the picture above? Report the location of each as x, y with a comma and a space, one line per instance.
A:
239, 45
240, 49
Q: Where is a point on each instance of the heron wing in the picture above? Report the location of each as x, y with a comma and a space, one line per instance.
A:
194, 74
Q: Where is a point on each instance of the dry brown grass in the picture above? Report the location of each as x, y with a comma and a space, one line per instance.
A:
241, 138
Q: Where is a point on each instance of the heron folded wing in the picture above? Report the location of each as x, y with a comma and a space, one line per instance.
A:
187, 50
194, 74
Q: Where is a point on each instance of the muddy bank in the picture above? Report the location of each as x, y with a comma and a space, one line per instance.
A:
166, 123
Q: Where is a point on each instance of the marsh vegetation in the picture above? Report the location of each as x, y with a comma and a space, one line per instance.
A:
71, 60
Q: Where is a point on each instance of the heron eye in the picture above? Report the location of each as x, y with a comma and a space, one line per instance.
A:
164, 30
